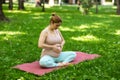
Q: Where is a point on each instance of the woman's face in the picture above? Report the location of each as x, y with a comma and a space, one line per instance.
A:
56, 25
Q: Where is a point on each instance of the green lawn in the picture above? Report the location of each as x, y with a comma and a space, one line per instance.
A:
93, 33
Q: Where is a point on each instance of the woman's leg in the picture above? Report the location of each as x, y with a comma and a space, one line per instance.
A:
66, 57
47, 61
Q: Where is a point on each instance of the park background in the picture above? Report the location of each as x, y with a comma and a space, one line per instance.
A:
94, 32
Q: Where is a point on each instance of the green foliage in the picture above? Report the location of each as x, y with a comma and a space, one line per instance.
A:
86, 5
93, 33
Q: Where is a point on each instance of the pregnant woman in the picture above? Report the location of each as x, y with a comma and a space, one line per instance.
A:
51, 41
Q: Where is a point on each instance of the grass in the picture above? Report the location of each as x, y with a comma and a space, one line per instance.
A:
93, 33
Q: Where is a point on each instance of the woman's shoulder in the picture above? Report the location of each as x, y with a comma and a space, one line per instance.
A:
44, 30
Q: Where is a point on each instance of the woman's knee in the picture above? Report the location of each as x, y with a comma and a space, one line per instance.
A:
45, 61
73, 54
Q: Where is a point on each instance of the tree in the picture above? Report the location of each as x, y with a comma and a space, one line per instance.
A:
21, 5
118, 6
86, 5
2, 16
10, 5
96, 2
3, 1
43, 6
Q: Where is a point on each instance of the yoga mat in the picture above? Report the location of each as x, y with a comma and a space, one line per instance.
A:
35, 68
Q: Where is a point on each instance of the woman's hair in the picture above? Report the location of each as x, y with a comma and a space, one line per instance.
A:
55, 18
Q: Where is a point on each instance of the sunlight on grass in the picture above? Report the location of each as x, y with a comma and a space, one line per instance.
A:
81, 27
11, 33
117, 32
97, 25
37, 16
84, 27
19, 11
114, 7
86, 38
66, 29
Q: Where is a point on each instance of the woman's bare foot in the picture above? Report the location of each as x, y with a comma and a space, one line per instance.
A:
64, 64
60, 64
67, 64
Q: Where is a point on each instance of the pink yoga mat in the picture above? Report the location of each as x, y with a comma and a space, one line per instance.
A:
35, 68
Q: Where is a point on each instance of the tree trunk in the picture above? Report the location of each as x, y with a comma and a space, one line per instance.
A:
2, 16
21, 5
43, 6
3, 1
118, 6
10, 4
96, 2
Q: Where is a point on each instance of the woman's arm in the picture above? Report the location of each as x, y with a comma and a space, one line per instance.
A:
41, 41
63, 40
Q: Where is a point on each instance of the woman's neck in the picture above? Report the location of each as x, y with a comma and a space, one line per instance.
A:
50, 28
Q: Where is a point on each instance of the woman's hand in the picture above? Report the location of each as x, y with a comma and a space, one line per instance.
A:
57, 48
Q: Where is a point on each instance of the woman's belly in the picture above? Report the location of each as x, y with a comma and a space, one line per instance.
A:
49, 52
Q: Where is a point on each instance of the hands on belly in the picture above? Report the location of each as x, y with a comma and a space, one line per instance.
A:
57, 48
